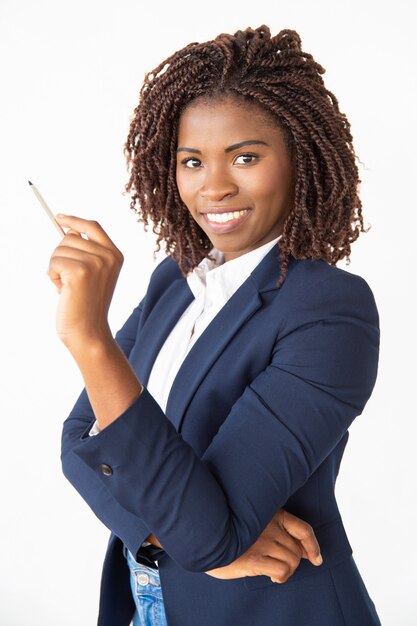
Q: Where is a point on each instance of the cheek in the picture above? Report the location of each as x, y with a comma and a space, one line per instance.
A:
184, 185
273, 185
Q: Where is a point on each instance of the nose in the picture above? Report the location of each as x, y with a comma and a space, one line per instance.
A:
217, 186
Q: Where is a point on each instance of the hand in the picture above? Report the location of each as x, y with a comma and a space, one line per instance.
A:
84, 272
277, 552
152, 539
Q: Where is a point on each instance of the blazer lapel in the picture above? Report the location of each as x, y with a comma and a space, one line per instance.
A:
241, 306
162, 319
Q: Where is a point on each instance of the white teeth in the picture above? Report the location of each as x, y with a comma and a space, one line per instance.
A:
225, 217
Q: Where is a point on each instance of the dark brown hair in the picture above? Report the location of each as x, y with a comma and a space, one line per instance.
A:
276, 74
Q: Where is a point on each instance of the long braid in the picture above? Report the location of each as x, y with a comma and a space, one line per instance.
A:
274, 73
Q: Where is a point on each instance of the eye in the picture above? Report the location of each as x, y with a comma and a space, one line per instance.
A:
246, 159
191, 163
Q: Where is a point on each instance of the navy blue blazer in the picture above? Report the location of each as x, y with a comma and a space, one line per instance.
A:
257, 419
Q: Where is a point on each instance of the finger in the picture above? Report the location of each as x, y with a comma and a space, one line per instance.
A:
91, 228
56, 281
282, 537
61, 269
304, 533
275, 531
278, 571
77, 242
279, 552
67, 261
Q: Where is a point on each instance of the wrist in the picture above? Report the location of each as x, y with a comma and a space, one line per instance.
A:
111, 383
91, 345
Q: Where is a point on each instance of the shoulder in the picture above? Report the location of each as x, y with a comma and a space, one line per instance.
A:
168, 267
316, 283
315, 272
164, 274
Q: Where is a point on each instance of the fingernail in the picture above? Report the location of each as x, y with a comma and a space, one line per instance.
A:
59, 215
319, 559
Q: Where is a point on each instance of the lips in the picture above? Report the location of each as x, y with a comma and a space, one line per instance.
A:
225, 221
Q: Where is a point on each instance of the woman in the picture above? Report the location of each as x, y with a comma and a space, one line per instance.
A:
228, 393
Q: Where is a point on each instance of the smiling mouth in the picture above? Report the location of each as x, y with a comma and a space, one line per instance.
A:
223, 222
222, 218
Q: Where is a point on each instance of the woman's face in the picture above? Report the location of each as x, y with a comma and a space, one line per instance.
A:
234, 174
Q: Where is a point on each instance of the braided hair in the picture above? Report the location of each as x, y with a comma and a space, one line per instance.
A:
275, 74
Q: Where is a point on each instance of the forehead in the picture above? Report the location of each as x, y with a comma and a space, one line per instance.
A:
225, 119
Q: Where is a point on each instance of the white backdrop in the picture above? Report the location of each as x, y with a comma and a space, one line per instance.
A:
70, 76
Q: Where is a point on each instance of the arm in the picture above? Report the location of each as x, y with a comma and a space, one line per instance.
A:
85, 274
278, 432
276, 553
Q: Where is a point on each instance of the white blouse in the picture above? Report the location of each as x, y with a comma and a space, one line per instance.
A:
212, 284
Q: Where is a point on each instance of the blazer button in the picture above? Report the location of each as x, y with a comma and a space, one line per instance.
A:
105, 469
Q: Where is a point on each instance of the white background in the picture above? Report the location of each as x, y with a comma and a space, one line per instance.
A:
70, 76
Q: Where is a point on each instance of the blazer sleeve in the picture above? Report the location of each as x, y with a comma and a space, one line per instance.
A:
118, 519
208, 511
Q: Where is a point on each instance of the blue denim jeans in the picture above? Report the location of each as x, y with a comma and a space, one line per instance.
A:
147, 594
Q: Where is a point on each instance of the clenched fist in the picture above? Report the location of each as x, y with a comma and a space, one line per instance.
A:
85, 272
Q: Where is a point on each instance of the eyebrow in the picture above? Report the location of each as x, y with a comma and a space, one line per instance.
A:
235, 146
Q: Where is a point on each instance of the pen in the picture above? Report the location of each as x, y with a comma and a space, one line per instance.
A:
47, 209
